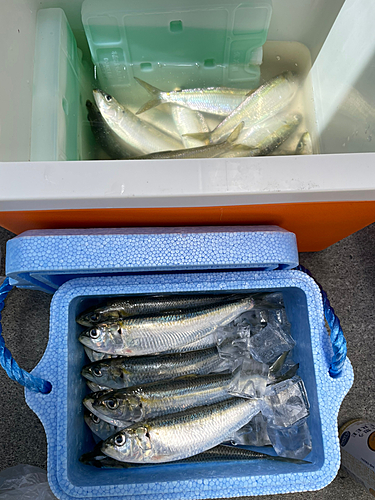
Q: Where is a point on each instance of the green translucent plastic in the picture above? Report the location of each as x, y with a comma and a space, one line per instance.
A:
175, 44
60, 85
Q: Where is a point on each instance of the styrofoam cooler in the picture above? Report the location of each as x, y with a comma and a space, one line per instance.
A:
47, 75
83, 267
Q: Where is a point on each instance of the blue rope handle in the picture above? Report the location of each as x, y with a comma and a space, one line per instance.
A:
337, 335
14, 372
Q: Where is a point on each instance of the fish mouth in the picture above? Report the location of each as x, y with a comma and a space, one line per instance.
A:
85, 372
97, 92
88, 403
109, 448
85, 340
81, 319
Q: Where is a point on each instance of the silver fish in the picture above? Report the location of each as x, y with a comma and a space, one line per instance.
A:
220, 453
189, 121
203, 343
161, 119
213, 100
304, 146
180, 435
161, 398
123, 372
268, 136
104, 136
138, 136
99, 427
122, 307
210, 151
265, 137
268, 100
142, 335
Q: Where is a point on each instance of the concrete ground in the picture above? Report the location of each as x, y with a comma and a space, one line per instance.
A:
346, 271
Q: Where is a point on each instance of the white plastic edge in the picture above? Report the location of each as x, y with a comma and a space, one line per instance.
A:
186, 183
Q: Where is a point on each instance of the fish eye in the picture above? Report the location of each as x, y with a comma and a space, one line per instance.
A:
97, 372
108, 98
95, 317
112, 404
120, 440
94, 418
94, 333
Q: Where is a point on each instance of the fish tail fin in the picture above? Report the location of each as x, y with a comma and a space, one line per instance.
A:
203, 136
279, 363
200, 136
155, 92
233, 136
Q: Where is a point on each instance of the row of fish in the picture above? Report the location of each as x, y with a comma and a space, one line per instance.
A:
158, 333
218, 453
251, 122
158, 392
156, 408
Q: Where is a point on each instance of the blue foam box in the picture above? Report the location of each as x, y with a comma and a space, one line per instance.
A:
85, 266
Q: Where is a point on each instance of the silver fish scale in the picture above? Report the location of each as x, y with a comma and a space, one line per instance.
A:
218, 453
162, 398
161, 333
138, 136
218, 101
185, 434
203, 343
266, 101
144, 369
132, 306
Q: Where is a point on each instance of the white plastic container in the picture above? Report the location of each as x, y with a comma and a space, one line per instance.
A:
337, 55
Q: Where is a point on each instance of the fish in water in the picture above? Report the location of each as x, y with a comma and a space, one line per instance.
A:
268, 100
180, 435
137, 136
304, 146
267, 136
122, 307
189, 121
161, 398
138, 336
212, 100
210, 151
104, 136
220, 453
124, 372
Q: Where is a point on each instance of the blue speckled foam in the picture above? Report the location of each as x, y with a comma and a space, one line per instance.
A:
45, 259
62, 414
119, 261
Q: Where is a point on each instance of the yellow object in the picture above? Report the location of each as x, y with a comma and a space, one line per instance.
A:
357, 441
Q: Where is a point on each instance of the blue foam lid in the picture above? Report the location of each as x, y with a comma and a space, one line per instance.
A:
45, 259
